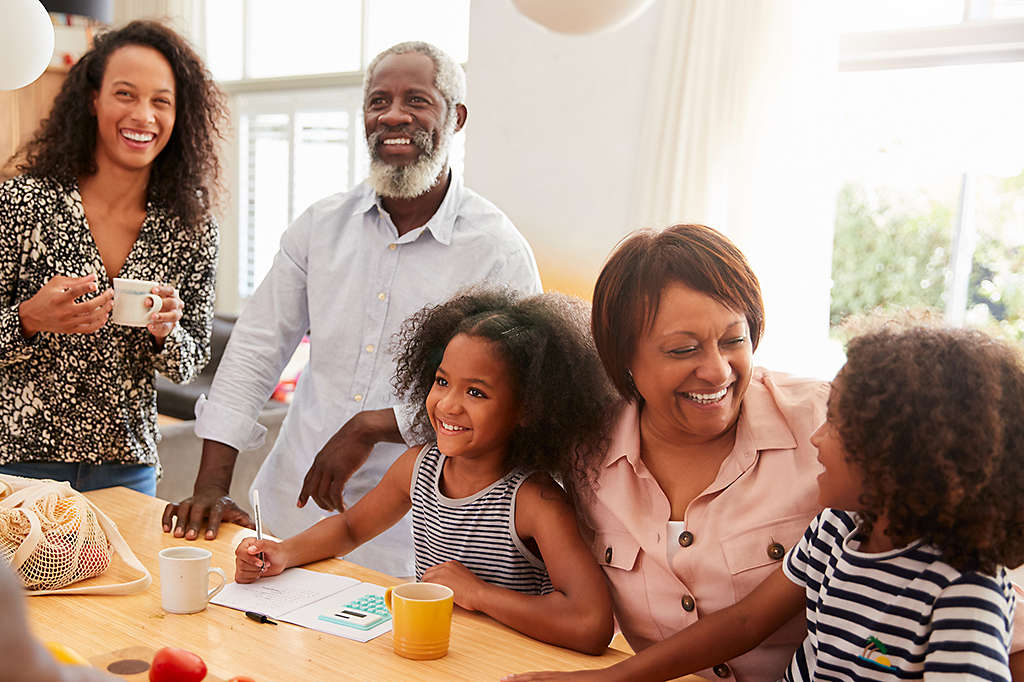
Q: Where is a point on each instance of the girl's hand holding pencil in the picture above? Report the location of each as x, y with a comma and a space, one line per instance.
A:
248, 566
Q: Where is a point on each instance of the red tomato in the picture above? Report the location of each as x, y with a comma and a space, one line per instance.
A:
171, 664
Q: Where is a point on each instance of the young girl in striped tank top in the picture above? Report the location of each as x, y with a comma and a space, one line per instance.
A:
903, 575
509, 395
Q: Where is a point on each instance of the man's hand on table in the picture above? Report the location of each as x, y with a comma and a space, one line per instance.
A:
207, 507
209, 504
343, 454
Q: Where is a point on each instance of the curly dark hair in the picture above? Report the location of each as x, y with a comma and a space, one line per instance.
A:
930, 416
562, 390
185, 178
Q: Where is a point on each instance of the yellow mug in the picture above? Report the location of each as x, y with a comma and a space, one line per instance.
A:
422, 619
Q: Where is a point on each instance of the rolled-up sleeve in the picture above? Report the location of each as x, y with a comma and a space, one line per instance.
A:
263, 339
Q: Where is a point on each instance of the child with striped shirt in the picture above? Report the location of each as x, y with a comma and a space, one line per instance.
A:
924, 445
510, 394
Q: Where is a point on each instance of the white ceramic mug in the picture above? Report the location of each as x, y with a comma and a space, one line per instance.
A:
185, 579
130, 302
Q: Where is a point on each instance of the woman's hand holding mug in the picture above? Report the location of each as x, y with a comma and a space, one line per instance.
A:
56, 308
163, 321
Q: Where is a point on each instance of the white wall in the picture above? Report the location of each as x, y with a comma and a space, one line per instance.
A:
557, 141
553, 133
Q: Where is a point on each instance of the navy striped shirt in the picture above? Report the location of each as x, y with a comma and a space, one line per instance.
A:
478, 531
898, 615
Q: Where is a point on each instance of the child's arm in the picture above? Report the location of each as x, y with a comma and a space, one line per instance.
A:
714, 638
379, 509
578, 613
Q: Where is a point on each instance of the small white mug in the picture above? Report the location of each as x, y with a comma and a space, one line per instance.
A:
185, 579
130, 302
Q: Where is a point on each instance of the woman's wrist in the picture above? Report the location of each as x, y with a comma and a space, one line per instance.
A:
29, 326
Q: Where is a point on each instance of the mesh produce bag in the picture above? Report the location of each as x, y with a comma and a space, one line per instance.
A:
53, 536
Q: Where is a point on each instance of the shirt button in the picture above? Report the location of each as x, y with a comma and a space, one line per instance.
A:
382, 296
776, 551
392, 246
688, 603
608, 555
722, 670
358, 397
370, 348
685, 538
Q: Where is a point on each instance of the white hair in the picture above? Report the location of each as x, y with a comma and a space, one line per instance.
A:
449, 78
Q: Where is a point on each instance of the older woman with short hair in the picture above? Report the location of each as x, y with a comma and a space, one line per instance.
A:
710, 475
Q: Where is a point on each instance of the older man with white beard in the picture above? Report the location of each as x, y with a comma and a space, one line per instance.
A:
349, 271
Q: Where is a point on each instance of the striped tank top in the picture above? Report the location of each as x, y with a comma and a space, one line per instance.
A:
478, 531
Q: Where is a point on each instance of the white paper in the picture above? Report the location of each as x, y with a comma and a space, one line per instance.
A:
300, 596
309, 615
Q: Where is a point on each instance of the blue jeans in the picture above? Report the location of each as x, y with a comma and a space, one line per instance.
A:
84, 477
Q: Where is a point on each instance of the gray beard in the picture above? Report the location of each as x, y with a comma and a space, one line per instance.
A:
408, 182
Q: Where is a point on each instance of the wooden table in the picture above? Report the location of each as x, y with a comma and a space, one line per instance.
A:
231, 644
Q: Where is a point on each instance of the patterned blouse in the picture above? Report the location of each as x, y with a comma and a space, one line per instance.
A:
91, 397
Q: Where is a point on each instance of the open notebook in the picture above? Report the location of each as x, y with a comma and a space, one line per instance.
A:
328, 603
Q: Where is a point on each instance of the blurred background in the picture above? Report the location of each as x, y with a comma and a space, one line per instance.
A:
862, 153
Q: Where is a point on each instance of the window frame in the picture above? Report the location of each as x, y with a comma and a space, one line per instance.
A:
977, 39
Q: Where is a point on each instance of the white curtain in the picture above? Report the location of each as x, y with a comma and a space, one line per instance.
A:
738, 137
182, 15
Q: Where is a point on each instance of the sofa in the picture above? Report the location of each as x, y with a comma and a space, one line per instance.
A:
179, 400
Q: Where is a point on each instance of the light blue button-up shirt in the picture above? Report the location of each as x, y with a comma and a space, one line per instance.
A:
344, 274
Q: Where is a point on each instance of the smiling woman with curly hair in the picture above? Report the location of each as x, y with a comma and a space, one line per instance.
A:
118, 182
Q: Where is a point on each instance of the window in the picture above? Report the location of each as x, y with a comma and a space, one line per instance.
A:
294, 78
931, 158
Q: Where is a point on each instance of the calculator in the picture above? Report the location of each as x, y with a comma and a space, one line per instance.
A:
364, 613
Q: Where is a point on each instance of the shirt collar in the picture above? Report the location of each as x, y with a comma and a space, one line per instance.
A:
625, 437
761, 427
441, 224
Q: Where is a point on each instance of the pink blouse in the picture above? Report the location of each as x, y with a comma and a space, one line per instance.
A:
737, 530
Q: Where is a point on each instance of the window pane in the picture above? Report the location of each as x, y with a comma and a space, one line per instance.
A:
302, 37
267, 193
1004, 9
322, 141
907, 144
444, 23
879, 15
224, 39
995, 295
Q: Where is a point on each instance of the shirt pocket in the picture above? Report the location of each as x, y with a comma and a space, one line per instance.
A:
752, 554
618, 554
615, 550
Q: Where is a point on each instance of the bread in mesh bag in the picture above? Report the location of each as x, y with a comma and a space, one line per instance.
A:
69, 544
